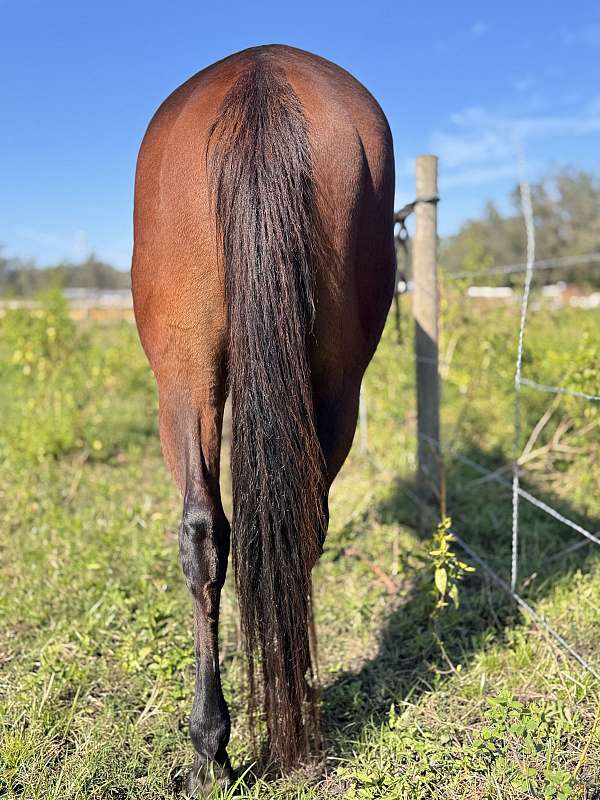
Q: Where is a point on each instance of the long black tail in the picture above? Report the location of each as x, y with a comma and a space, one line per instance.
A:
264, 193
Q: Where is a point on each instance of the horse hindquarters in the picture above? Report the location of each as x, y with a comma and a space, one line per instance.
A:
301, 238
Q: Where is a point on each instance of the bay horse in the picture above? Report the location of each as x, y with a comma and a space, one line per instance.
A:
263, 267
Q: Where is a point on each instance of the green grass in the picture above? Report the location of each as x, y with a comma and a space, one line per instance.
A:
470, 702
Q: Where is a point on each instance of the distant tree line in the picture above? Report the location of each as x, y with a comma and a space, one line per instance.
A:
20, 278
566, 208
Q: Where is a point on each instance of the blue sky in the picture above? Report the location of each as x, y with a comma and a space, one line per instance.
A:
80, 81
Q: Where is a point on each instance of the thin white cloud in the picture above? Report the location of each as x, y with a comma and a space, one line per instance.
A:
524, 83
479, 28
540, 126
480, 135
587, 35
456, 149
479, 144
593, 106
478, 175
73, 247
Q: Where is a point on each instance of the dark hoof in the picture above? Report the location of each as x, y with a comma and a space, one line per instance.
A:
205, 776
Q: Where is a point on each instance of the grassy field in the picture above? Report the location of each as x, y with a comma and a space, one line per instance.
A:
419, 701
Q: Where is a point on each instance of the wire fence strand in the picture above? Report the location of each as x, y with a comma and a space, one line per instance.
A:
542, 264
538, 618
534, 615
525, 193
504, 585
529, 268
492, 475
541, 387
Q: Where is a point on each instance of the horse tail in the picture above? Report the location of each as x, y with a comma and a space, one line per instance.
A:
268, 225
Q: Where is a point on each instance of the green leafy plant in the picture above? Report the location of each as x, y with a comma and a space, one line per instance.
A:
448, 569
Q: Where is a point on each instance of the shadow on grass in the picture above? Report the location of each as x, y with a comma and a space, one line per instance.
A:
409, 662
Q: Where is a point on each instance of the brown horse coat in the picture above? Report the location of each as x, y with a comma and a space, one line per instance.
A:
263, 265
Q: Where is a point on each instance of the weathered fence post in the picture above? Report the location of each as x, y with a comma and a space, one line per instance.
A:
425, 310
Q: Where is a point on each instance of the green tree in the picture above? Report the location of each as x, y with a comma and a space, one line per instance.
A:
566, 207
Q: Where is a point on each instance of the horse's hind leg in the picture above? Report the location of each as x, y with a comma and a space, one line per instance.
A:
191, 439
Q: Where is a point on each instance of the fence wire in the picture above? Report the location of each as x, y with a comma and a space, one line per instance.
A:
542, 264
493, 476
529, 610
510, 587
526, 607
541, 387
519, 381
525, 193
505, 585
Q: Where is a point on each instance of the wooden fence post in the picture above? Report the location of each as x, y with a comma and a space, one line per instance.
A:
426, 310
